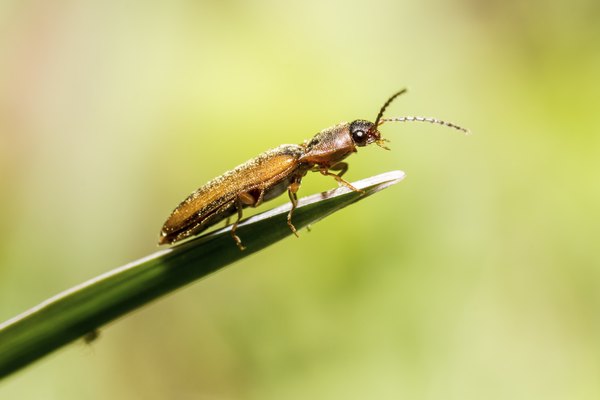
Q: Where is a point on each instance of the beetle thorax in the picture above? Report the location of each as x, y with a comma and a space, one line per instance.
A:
329, 146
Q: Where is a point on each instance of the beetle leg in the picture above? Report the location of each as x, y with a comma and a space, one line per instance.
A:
246, 198
292, 190
260, 199
341, 166
339, 179
238, 241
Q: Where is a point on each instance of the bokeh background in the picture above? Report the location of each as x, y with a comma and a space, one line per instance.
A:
478, 277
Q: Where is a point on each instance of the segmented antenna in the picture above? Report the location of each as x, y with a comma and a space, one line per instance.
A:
387, 103
423, 119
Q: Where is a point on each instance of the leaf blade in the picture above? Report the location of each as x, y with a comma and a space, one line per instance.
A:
86, 307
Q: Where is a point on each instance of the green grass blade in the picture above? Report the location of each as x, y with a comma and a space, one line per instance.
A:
86, 307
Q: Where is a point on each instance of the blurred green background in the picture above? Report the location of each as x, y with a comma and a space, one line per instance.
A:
478, 277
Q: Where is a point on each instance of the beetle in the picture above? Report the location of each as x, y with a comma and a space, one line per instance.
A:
275, 171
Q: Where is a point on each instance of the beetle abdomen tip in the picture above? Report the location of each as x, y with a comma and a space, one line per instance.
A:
163, 239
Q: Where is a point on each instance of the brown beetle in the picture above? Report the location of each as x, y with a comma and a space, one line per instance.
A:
275, 171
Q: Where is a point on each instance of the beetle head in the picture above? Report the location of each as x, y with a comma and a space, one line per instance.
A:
364, 132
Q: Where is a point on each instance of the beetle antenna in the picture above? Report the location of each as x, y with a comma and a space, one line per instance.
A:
387, 103
423, 119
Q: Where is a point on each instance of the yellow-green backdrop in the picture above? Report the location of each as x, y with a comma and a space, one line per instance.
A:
478, 277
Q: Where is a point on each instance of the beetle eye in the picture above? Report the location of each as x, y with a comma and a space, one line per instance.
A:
359, 135
362, 132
